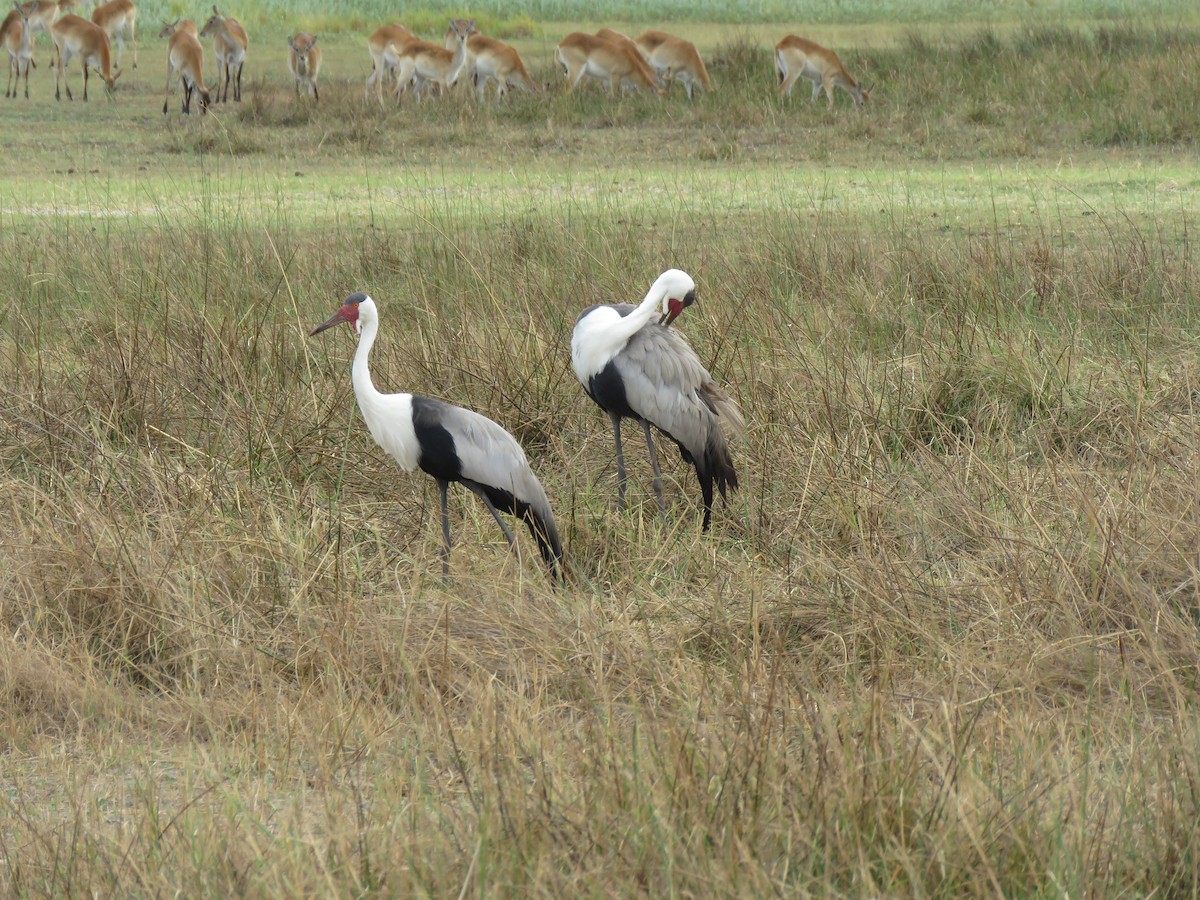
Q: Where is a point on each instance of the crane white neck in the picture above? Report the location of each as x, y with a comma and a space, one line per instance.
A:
367, 327
389, 417
603, 333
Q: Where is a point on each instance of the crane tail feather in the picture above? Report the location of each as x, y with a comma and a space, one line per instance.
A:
535, 514
726, 410
542, 527
714, 466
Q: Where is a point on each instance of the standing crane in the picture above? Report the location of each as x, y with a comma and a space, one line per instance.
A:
450, 443
641, 369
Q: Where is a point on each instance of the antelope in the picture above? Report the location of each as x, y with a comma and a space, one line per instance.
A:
384, 45
169, 28
674, 59
797, 57
423, 61
627, 42
17, 35
74, 36
450, 42
42, 14
185, 60
623, 40
116, 17
619, 37
488, 58
586, 54
304, 61
229, 46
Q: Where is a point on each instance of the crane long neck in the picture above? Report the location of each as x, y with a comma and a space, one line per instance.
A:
360, 374
631, 324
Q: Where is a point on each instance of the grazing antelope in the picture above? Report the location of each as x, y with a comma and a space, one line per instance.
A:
586, 54
74, 36
797, 57
185, 61
674, 59
488, 59
42, 14
116, 17
623, 40
619, 37
384, 45
17, 36
304, 61
425, 62
229, 46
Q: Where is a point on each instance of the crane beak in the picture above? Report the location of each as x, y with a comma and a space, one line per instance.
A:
347, 312
335, 319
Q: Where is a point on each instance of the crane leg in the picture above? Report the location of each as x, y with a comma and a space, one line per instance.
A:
443, 486
616, 423
479, 492
658, 487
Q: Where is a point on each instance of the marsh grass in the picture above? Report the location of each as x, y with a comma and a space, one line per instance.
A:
941, 642
951, 610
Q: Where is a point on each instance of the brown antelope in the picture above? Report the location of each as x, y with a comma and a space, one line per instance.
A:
674, 59
423, 62
450, 42
619, 37
169, 28
304, 61
229, 46
74, 36
116, 17
384, 45
185, 62
797, 57
586, 54
489, 59
17, 36
497, 60
42, 14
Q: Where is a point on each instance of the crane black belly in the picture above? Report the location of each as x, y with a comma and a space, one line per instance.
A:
607, 388
438, 457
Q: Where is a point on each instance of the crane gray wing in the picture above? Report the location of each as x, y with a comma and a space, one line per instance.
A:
489, 455
669, 386
460, 445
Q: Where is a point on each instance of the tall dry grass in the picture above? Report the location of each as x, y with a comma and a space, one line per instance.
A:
942, 642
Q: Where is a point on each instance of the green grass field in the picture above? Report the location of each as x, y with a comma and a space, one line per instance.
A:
942, 642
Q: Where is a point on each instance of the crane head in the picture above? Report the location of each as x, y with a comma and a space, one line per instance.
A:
676, 305
348, 312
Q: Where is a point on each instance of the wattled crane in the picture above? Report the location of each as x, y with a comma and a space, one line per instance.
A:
636, 368
450, 443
